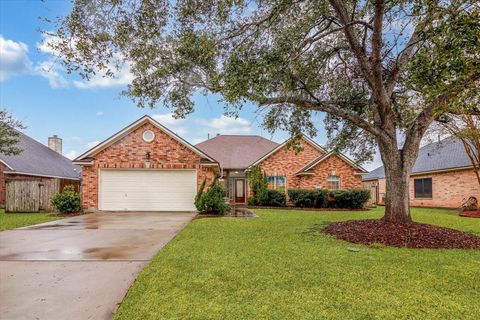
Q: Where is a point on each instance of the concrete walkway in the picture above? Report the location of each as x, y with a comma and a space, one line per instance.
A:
80, 267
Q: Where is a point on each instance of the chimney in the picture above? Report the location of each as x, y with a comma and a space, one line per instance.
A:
55, 143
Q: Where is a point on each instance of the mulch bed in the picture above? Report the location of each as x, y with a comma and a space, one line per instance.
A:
470, 214
409, 235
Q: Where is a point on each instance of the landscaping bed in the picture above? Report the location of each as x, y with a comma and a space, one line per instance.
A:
409, 235
470, 214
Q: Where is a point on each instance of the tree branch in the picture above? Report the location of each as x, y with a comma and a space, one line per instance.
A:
330, 107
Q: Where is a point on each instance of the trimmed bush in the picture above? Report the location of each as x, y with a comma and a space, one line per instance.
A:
275, 198
350, 199
67, 201
342, 199
308, 198
212, 201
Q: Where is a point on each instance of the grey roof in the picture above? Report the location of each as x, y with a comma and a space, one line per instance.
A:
446, 154
236, 151
38, 159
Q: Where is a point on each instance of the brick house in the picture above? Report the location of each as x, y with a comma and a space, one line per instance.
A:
442, 176
310, 168
147, 167
28, 180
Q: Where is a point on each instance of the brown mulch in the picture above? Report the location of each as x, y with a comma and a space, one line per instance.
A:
470, 214
409, 235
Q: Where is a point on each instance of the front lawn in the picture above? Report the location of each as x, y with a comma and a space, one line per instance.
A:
17, 220
280, 267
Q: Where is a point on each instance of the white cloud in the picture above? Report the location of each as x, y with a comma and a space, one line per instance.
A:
226, 125
195, 141
92, 144
122, 77
13, 58
100, 113
167, 119
52, 71
171, 123
72, 154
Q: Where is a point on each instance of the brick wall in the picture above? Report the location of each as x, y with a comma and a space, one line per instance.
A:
348, 179
129, 153
449, 189
286, 162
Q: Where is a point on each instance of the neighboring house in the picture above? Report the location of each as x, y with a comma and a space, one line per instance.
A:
28, 180
441, 177
147, 167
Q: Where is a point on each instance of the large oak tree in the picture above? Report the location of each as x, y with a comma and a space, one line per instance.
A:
382, 71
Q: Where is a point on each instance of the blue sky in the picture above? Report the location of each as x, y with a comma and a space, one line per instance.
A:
35, 89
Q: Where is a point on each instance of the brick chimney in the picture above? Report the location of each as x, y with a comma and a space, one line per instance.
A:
55, 143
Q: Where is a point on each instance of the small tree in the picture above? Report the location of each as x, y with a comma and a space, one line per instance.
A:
211, 201
67, 201
199, 203
467, 129
9, 136
258, 184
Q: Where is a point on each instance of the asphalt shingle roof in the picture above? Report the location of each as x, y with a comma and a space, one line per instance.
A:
236, 151
38, 159
448, 153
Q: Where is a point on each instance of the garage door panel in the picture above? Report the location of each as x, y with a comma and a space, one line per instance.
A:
152, 190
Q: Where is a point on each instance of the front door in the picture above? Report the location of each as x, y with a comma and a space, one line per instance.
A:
239, 190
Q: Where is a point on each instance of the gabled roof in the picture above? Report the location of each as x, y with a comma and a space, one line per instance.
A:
236, 151
325, 156
280, 146
37, 159
86, 156
447, 154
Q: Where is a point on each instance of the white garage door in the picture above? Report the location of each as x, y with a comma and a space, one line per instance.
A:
147, 190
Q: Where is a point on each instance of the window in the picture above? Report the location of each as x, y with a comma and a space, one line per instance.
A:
333, 182
276, 183
423, 188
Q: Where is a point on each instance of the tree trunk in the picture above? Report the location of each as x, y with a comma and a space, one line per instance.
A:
397, 176
397, 195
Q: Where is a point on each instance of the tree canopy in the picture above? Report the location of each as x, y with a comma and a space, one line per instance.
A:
9, 136
377, 68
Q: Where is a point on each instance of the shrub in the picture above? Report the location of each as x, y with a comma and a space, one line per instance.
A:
199, 203
350, 199
308, 198
212, 201
67, 201
274, 198
345, 199
258, 185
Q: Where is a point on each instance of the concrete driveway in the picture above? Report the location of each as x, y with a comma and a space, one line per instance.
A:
80, 267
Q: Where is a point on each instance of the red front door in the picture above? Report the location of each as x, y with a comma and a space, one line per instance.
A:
239, 190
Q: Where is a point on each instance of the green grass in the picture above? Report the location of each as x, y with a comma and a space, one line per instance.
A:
280, 267
16, 220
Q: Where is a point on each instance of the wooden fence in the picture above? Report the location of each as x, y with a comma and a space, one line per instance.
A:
30, 195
